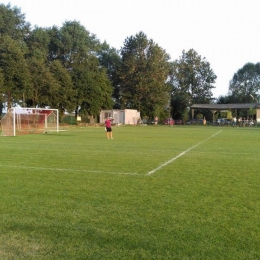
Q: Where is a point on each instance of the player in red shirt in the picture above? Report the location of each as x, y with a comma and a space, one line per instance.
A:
109, 128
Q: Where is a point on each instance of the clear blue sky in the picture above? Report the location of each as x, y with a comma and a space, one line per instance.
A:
225, 32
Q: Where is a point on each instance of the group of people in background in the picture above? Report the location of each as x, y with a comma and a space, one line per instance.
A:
244, 122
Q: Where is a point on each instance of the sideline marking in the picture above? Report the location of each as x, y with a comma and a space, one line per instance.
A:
181, 154
69, 170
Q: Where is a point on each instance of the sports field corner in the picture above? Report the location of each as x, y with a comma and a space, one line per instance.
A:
182, 192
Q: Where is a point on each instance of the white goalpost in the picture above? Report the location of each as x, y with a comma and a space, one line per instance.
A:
20, 121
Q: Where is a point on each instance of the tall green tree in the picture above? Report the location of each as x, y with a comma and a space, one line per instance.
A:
245, 83
192, 82
37, 43
44, 84
94, 90
15, 71
63, 96
143, 76
77, 49
110, 59
13, 23
52, 84
42, 80
71, 43
228, 99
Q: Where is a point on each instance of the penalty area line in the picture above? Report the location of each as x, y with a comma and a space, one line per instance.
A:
181, 154
68, 170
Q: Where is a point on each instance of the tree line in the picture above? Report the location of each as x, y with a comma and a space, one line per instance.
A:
69, 68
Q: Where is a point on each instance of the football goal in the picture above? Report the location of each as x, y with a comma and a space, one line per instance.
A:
20, 121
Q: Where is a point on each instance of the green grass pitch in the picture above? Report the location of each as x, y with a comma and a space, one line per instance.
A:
153, 192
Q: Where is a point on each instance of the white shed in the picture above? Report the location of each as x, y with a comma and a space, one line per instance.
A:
124, 116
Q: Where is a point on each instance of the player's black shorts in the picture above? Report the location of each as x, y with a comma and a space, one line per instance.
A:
109, 129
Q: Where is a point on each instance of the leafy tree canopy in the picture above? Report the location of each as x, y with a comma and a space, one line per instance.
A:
245, 83
38, 41
110, 59
192, 81
71, 43
16, 78
63, 96
143, 75
12, 22
78, 50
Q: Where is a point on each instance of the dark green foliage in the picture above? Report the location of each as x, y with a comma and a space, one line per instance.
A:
15, 72
63, 96
109, 58
75, 48
15, 77
143, 76
56, 67
192, 82
37, 42
92, 86
71, 43
12, 23
245, 83
44, 84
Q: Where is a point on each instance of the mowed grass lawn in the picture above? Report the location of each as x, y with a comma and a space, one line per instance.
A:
182, 192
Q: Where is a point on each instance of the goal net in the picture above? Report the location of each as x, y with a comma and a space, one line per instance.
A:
20, 121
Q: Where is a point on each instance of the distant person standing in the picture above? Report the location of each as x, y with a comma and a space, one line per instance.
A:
156, 120
234, 121
109, 128
240, 121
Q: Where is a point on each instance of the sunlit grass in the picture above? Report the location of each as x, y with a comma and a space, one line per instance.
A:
78, 195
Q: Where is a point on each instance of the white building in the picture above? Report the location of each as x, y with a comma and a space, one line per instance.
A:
124, 116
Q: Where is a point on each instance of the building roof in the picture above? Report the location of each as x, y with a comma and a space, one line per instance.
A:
226, 106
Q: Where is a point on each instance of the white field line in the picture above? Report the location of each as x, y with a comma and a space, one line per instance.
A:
68, 170
181, 154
